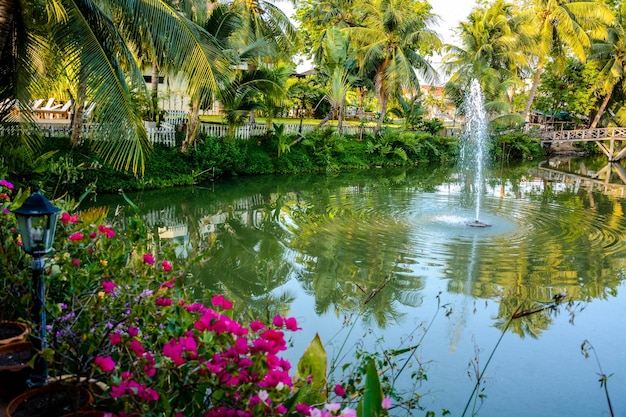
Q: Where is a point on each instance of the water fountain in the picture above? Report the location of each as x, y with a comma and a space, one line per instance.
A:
473, 146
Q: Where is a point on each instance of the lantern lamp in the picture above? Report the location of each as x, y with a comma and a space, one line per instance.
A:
36, 220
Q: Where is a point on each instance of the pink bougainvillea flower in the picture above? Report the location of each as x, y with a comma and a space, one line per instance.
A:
68, 218
256, 325
163, 302
76, 262
278, 321
148, 258
332, 407
303, 409
75, 237
106, 231
105, 363
5, 211
136, 347
221, 301
115, 338
292, 324
169, 284
108, 286
167, 266
386, 403
339, 390
133, 331
348, 412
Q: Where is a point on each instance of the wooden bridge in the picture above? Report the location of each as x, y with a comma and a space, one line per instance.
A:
603, 180
614, 151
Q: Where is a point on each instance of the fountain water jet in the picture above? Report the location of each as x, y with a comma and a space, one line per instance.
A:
473, 145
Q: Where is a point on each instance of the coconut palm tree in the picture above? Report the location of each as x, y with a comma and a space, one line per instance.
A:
393, 42
565, 26
612, 56
96, 37
491, 49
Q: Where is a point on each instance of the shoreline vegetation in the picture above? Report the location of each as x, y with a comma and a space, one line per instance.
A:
66, 169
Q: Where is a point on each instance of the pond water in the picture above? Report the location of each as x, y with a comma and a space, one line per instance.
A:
371, 259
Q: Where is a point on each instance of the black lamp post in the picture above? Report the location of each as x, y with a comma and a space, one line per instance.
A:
36, 221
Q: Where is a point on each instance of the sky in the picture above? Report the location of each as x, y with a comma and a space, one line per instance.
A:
451, 13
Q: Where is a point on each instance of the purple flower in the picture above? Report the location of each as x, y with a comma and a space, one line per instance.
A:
7, 184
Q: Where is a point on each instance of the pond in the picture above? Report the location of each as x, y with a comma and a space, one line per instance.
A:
384, 259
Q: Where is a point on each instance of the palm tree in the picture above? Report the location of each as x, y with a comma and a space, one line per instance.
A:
564, 25
612, 56
262, 21
491, 51
87, 34
337, 64
393, 40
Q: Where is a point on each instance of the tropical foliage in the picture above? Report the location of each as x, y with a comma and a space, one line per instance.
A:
368, 55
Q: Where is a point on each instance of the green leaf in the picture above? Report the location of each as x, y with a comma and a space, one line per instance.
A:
371, 404
313, 363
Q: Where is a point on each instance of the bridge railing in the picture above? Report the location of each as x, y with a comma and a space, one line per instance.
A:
585, 135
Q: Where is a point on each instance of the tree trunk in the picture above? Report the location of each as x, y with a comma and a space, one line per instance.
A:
360, 93
154, 89
77, 115
192, 127
533, 90
7, 11
340, 115
605, 102
383, 94
328, 117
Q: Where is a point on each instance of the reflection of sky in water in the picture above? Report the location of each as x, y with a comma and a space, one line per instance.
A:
547, 376
527, 377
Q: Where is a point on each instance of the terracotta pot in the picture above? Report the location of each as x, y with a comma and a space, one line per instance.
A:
14, 367
52, 400
13, 331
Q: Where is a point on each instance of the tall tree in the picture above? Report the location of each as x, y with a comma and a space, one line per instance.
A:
337, 65
394, 40
564, 26
492, 50
611, 54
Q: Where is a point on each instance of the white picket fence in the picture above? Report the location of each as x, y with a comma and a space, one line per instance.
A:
248, 131
165, 134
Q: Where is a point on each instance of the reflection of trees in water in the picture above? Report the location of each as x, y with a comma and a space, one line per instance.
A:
348, 264
339, 238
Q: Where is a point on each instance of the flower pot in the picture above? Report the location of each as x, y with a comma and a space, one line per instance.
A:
53, 400
13, 331
14, 367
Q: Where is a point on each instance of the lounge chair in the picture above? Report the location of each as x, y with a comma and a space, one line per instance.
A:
44, 111
62, 112
34, 105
